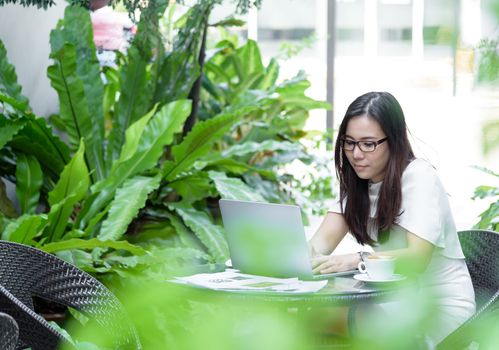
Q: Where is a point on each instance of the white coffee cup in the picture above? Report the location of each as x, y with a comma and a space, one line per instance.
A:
378, 267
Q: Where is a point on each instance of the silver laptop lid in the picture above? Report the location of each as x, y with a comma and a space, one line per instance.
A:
266, 239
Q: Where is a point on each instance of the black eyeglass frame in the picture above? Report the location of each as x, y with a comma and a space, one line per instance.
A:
358, 144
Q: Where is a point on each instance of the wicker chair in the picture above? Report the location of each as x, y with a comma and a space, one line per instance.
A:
26, 272
481, 249
9, 332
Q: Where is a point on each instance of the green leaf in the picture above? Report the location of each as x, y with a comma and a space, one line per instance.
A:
38, 139
217, 71
234, 188
77, 257
185, 236
8, 80
74, 179
198, 143
133, 103
157, 134
271, 75
229, 22
485, 191
234, 166
70, 189
129, 199
133, 136
193, 188
202, 225
8, 129
215, 91
76, 30
12, 102
292, 94
250, 58
489, 219
485, 170
6, 205
177, 72
248, 83
270, 190
24, 228
29, 179
111, 90
91, 244
74, 109
250, 147
95, 221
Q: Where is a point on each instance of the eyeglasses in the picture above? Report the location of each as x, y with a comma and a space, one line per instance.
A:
364, 146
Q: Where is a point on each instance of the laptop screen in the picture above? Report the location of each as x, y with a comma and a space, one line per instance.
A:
266, 239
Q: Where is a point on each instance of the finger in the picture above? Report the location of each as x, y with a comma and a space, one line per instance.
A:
323, 266
318, 268
329, 269
318, 260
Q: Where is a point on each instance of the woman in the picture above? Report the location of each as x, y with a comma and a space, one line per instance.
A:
395, 203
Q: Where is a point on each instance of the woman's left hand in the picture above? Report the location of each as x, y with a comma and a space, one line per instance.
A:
334, 263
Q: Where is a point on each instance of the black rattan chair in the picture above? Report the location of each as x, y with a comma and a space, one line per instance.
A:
481, 249
9, 332
26, 272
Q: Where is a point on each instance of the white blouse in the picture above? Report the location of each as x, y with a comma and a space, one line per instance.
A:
425, 212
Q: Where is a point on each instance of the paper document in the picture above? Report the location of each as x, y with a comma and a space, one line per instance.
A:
234, 280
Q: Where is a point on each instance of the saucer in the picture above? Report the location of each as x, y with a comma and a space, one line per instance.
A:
365, 278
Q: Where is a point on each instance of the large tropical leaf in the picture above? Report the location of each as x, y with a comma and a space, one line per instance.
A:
250, 60
8, 129
245, 148
16, 105
76, 28
176, 77
199, 142
8, 80
73, 106
185, 235
111, 90
129, 199
29, 179
157, 134
271, 75
24, 228
292, 94
133, 136
76, 243
234, 188
194, 187
133, 103
71, 188
180, 68
210, 234
235, 167
248, 83
38, 139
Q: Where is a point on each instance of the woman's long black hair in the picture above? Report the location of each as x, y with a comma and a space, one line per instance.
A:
354, 194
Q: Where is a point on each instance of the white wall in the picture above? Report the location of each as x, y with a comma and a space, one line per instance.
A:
25, 33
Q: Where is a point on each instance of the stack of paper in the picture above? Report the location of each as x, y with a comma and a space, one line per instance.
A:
236, 281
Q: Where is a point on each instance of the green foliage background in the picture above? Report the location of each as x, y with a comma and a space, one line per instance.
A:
129, 183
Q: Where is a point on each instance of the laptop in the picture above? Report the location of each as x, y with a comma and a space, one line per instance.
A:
268, 240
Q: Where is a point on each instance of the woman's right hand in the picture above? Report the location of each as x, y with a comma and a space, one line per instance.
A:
334, 263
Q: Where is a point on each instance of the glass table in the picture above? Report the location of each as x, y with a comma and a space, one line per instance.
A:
339, 291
